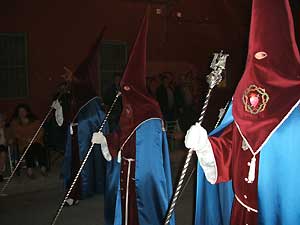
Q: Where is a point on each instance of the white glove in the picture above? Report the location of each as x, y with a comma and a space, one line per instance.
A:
99, 138
59, 117
196, 138
55, 104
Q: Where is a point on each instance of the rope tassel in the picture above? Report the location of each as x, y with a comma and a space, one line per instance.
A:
251, 174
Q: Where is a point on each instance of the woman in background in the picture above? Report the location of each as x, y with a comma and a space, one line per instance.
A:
24, 124
4, 141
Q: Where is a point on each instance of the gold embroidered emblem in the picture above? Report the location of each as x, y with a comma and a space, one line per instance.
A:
255, 99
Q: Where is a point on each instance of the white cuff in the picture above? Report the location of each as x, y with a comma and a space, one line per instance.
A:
119, 157
105, 151
208, 163
59, 116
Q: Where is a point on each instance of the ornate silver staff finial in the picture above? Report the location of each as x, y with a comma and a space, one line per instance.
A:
218, 65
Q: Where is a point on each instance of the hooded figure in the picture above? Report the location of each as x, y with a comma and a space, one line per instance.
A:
83, 116
144, 185
258, 149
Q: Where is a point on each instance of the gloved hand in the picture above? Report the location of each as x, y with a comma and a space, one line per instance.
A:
99, 138
59, 117
55, 104
196, 138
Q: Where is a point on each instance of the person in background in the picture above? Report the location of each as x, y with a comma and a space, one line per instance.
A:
111, 92
82, 115
184, 103
3, 156
80, 110
56, 134
24, 124
152, 84
165, 97
4, 141
109, 97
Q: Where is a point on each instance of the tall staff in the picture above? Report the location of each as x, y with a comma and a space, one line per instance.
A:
213, 79
220, 117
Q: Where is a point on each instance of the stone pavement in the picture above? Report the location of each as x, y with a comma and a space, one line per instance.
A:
34, 202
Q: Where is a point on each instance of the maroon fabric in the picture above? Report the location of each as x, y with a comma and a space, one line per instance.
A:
129, 153
81, 93
138, 104
88, 71
241, 216
113, 142
272, 31
85, 84
232, 164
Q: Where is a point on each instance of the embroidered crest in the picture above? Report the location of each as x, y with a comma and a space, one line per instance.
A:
255, 99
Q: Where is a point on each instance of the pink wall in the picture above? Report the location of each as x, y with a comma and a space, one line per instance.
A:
61, 33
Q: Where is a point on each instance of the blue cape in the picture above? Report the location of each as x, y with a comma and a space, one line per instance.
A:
278, 183
214, 202
153, 176
89, 119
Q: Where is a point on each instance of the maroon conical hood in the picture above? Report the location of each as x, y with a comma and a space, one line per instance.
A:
270, 86
85, 86
138, 105
88, 70
135, 72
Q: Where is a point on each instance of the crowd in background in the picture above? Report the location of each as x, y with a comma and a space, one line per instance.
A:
179, 95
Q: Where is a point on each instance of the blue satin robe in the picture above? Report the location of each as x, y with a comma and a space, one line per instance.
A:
214, 202
278, 183
152, 174
89, 119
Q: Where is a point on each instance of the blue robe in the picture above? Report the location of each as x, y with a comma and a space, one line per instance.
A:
278, 194
89, 119
152, 176
213, 202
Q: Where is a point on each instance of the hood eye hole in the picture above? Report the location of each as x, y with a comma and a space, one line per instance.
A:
260, 55
126, 88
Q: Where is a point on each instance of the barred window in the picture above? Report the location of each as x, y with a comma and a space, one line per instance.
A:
13, 66
113, 61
